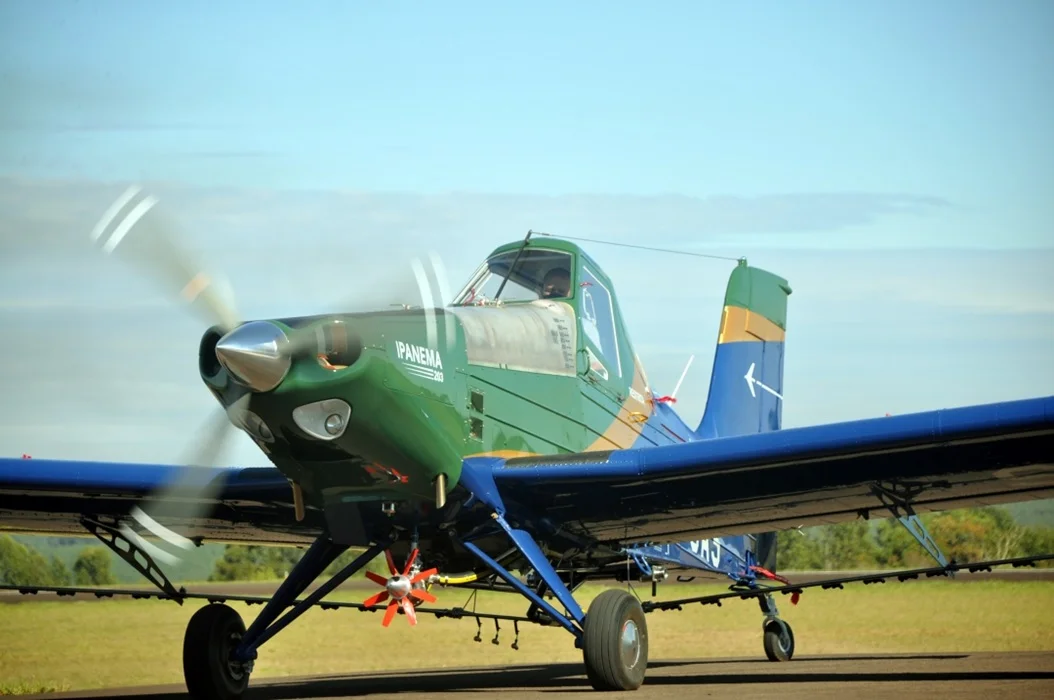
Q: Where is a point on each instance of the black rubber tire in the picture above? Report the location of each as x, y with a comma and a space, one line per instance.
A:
608, 614
212, 634
779, 640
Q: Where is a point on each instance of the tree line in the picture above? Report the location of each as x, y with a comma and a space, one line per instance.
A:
260, 563
966, 535
973, 534
24, 566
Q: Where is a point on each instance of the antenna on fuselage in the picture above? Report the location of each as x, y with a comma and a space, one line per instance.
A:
673, 396
741, 260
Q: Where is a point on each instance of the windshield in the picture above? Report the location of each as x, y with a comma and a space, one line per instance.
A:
539, 274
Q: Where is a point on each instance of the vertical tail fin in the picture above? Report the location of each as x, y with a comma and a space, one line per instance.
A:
765, 551
746, 386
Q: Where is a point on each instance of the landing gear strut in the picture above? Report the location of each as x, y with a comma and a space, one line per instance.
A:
613, 636
218, 652
778, 635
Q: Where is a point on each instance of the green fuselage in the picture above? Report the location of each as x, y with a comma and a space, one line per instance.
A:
428, 388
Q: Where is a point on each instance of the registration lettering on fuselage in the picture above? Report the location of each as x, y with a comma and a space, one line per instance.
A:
709, 551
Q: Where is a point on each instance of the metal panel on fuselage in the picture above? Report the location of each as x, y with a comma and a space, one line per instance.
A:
523, 413
520, 373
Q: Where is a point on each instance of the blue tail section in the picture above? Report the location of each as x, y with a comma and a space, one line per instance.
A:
735, 557
746, 396
746, 385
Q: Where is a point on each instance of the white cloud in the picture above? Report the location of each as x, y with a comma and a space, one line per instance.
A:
81, 304
92, 344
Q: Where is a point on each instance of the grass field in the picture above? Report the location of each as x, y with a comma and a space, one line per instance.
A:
92, 644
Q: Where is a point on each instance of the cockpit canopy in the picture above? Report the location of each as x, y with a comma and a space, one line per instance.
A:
539, 336
535, 274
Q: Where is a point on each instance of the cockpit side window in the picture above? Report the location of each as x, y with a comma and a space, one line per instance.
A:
597, 315
538, 274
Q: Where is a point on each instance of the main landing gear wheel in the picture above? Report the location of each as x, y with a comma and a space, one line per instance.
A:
615, 642
779, 640
212, 634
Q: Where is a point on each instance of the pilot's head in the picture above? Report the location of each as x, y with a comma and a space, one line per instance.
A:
557, 283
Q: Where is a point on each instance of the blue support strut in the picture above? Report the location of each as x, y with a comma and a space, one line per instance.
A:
899, 504
530, 594
477, 476
913, 524
320, 555
540, 562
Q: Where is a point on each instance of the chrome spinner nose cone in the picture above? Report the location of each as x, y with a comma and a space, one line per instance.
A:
256, 354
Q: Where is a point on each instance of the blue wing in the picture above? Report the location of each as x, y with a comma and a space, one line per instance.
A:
946, 459
51, 496
941, 460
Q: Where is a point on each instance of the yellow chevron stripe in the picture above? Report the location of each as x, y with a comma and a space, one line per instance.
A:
739, 325
504, 454
627, 426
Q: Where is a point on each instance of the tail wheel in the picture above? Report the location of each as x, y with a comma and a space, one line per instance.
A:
779, 640
615, 642
212, 634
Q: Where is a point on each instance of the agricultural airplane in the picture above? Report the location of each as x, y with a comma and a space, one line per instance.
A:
512, 430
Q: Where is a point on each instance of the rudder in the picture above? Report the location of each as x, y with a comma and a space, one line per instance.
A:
765, 551
746, 385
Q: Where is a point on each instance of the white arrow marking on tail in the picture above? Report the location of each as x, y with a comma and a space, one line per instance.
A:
749, 376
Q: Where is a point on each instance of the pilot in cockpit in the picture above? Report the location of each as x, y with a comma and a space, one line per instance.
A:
557, 283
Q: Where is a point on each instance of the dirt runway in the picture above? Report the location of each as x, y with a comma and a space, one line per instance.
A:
903, 677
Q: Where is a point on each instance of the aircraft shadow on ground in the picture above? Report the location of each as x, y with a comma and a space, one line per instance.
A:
570, 677
455, 680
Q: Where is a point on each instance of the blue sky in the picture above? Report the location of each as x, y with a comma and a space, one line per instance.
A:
894, 160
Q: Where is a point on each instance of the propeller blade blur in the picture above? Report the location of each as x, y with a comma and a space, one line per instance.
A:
134, 228
192, 495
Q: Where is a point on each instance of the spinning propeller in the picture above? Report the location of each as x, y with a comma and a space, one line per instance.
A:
155, 247
134, 227
400, 588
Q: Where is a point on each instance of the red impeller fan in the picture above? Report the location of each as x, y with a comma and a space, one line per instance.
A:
400, 588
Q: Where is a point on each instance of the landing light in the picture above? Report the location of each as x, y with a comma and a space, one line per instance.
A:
334, 424
252, 424
323, 420
255, 426
265, 432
